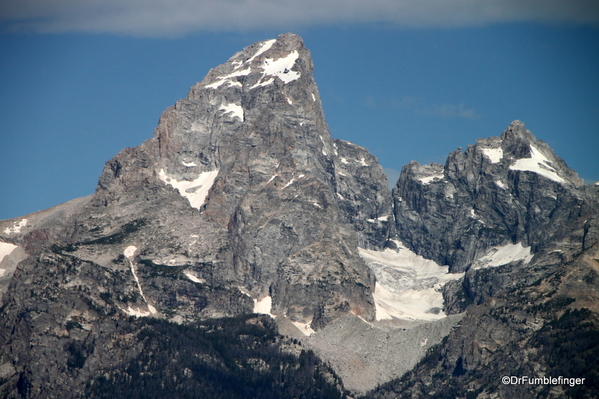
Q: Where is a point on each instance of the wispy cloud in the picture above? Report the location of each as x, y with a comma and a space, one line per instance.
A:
448, 111
178, 17
441, 111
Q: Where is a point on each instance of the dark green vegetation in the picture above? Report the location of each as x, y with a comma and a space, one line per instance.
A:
231, 358
571, 346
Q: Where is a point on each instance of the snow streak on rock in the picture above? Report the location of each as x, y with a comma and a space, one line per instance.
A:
539, 164
503, 255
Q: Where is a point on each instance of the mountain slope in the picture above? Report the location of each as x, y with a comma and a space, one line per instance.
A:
242, 203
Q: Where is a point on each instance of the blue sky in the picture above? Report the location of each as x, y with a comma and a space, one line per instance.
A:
409, 80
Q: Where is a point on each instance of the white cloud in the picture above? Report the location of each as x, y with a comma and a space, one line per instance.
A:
177, 17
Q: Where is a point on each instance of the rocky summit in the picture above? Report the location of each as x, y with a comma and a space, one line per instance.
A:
243, 252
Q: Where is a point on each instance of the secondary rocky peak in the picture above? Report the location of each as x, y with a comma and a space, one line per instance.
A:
506, 190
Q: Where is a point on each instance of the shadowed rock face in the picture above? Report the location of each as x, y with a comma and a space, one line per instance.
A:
503, 190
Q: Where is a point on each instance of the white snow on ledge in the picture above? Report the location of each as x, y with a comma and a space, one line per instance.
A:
503, 255
263, 306
17, 227
429, 179
282, 67
237, 110
539, 164
136, 312
494, 154
194, 190
227, 79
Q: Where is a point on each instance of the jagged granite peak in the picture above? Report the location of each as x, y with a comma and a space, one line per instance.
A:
241, 187
506, 190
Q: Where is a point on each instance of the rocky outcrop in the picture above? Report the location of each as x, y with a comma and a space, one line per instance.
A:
364, 199
503, 190
542, 324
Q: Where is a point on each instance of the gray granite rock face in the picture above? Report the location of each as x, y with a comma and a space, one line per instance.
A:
502, 190
241, 187
242, 202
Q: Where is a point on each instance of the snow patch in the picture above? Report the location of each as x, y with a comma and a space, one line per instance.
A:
130, 251
501, 184
539, 164
408, 285
290, 182
323, 146
265, 83
362, 162
429, 179
281, 67
5, 250
189, 164
16, 227
136, 312
195, 190
263, 306
411, 304
494, 154
313, 98
505, 254
343, 160
237, 110
271, 179
194, 278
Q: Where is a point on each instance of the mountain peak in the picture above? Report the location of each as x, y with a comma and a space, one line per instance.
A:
517, 132
273, 62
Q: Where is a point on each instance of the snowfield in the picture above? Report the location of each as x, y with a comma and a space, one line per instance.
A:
408, 285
